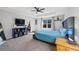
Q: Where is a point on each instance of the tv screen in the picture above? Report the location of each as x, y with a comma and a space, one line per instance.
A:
19, 22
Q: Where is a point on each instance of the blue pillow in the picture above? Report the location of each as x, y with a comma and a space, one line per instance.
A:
70, 31
63, 31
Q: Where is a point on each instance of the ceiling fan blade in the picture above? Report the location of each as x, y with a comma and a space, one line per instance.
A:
42, 9
36, 8
33, 10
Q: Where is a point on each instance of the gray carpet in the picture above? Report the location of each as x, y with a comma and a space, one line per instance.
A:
26, 43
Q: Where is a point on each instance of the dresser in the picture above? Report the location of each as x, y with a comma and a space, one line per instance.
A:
63, 45
17, 32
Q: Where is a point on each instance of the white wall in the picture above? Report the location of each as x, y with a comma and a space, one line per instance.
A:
67, 12
39, 24
74, 11
53, 11
7, 19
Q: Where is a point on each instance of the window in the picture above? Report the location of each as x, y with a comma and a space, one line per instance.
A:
47, 23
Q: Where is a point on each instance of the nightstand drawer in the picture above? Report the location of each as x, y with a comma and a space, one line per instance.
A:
60, 48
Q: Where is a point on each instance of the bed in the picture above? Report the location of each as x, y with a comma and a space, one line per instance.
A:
49, 35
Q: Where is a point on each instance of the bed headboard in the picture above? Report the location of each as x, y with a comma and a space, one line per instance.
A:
69, 25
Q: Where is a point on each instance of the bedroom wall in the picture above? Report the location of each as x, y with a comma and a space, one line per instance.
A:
75, 12
7, 20
39, 24
57, 10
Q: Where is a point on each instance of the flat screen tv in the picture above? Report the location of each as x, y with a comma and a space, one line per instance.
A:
19, 22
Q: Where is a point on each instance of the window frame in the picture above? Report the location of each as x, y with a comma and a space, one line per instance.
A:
47, 23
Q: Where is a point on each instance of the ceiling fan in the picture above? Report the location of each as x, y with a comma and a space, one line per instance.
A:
38, 9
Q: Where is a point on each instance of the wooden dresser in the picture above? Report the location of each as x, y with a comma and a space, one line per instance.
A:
63, 45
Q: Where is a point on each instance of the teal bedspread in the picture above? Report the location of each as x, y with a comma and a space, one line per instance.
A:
49, 36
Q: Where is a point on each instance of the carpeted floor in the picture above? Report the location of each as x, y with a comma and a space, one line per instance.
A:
26, 43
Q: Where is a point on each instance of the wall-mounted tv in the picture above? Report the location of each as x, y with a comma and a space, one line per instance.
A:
20, 22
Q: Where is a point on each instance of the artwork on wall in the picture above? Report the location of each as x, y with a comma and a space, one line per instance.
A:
58, 18
35, 21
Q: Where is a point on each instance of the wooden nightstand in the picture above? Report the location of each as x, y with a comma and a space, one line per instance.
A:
63, 45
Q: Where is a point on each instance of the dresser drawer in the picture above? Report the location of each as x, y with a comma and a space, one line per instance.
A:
61, 48
69, 49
